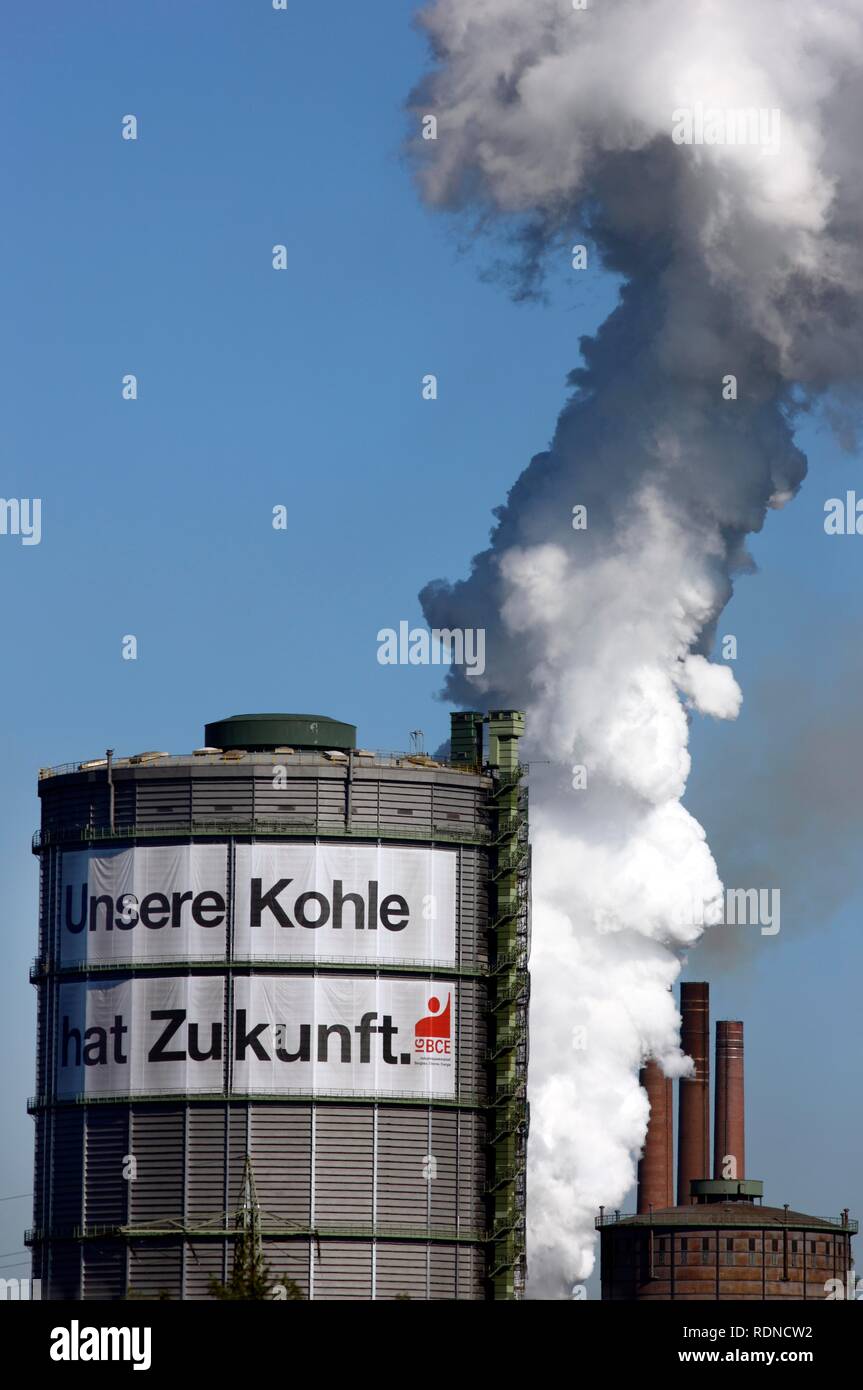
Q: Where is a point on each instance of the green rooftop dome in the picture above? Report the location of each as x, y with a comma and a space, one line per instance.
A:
261, 733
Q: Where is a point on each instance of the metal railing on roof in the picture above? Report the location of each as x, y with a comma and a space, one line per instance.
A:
798, 1221
336, 828
381, 1231
219, 960
466, 1101
299, 757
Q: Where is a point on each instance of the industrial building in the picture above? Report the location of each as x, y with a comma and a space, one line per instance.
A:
718, 1241
285, 971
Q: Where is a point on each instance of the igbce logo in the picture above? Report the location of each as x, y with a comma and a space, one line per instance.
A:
433, 1034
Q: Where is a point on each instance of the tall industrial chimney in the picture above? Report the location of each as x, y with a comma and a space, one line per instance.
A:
728, 1128
693, 1153
656, 1165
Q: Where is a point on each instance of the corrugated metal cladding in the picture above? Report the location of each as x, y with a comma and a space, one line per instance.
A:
315, 1166
359, 1198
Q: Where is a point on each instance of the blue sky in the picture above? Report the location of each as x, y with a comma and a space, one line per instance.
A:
302, 388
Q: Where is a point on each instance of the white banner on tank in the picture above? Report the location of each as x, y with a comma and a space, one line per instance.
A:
159, 1036
299, 901
345, 902
150, 903
141, 1037
343, 1034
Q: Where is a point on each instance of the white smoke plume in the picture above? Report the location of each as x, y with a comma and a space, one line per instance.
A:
735, 259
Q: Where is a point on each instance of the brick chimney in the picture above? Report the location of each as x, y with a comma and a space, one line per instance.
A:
693, 1118
729, 1140
656, 1165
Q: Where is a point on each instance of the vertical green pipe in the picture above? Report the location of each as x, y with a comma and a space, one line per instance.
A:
509, 1113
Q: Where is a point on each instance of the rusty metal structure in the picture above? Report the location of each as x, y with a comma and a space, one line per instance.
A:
719, 1241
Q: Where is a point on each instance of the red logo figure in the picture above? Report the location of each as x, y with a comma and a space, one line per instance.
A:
432, 1033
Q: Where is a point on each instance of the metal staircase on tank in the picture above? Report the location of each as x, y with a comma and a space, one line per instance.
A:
509, 987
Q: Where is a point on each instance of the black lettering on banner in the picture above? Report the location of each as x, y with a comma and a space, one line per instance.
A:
303, 1052
324, 1032
71, 924
108, 904
69, 1035
389, 913
244, 1039
300, 909
268, 900
157, 1052
95, 1047
312, 909
365, 1028
127, 915
215, 1052
177, 900
208, 903
117, 1029
94, 1052
388, 1031
155, 902
373, 905
340, 897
